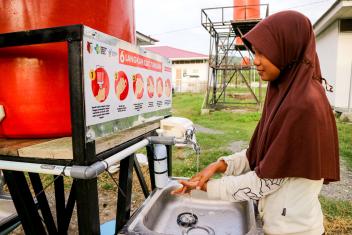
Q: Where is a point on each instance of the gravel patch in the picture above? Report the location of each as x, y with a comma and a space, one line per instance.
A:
107, 202
206, 130
341, 190
237, 146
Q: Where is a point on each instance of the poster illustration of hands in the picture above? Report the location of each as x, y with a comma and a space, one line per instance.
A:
122, 80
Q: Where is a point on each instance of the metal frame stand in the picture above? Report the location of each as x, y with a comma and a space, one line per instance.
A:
223, 49
83, 192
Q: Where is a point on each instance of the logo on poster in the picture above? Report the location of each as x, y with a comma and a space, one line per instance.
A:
97, 49
89, 47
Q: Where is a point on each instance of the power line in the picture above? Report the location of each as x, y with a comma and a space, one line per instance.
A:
176, 30
194, 27
307, 4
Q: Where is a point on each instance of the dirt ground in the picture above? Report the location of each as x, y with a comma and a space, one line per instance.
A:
107, 200
341, 190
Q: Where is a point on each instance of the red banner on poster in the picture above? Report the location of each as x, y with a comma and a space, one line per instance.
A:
136, 60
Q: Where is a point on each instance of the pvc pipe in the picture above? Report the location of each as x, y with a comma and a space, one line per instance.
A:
92, 171
82, 172
35, 168
160, 166
75, 171
165, 140
126, 152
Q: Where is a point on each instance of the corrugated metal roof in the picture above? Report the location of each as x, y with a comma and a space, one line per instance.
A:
143, 39
174, 53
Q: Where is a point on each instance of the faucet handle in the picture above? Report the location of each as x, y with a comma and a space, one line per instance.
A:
190, 133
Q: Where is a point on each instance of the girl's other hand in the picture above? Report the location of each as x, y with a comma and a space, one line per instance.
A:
199, 180
205, 175
187, 186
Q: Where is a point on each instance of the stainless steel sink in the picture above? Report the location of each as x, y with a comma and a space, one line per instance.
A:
163, 213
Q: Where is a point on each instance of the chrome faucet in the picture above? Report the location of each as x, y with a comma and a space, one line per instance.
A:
191, 139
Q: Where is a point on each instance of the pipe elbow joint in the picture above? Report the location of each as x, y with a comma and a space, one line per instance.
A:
166, 140
88, 172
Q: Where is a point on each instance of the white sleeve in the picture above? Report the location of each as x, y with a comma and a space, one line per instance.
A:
237, 163
242, 188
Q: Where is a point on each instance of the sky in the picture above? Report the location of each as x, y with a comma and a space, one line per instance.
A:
177, 23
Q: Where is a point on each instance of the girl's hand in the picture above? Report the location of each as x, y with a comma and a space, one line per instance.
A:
187, 186
199, 180
208, 172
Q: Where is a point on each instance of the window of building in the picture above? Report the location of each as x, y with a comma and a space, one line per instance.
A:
346, 25
189, 61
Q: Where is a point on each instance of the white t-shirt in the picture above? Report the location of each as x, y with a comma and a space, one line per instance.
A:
286, 206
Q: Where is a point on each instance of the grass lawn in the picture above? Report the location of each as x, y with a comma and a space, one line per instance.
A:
240, 126
235, 126
345, 142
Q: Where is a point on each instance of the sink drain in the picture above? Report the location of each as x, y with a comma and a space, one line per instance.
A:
199, 230
187, 219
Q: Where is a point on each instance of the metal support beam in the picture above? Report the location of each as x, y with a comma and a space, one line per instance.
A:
87, 199
225, 86
249, 87
83, 153
141, 179
124, 192
43, 203
69, 206
77, 104
40, 36
169, 159
60, 204
24, 203
87, 207
150, 155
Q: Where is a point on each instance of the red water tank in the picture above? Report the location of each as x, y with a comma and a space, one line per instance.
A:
34, 86
246, 9
238, 41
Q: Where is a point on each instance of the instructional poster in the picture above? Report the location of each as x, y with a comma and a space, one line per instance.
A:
122, 80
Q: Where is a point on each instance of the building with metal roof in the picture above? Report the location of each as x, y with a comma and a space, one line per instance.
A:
189, 69
333, 31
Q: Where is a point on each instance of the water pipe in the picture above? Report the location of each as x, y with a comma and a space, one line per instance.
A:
85, 172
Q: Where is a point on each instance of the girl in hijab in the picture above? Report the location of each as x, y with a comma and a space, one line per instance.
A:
294, 148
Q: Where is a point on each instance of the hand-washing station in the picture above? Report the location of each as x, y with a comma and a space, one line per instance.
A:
194, 213
108, 126
163, 213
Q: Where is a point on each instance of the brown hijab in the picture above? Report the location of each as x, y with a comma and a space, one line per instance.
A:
296, 135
